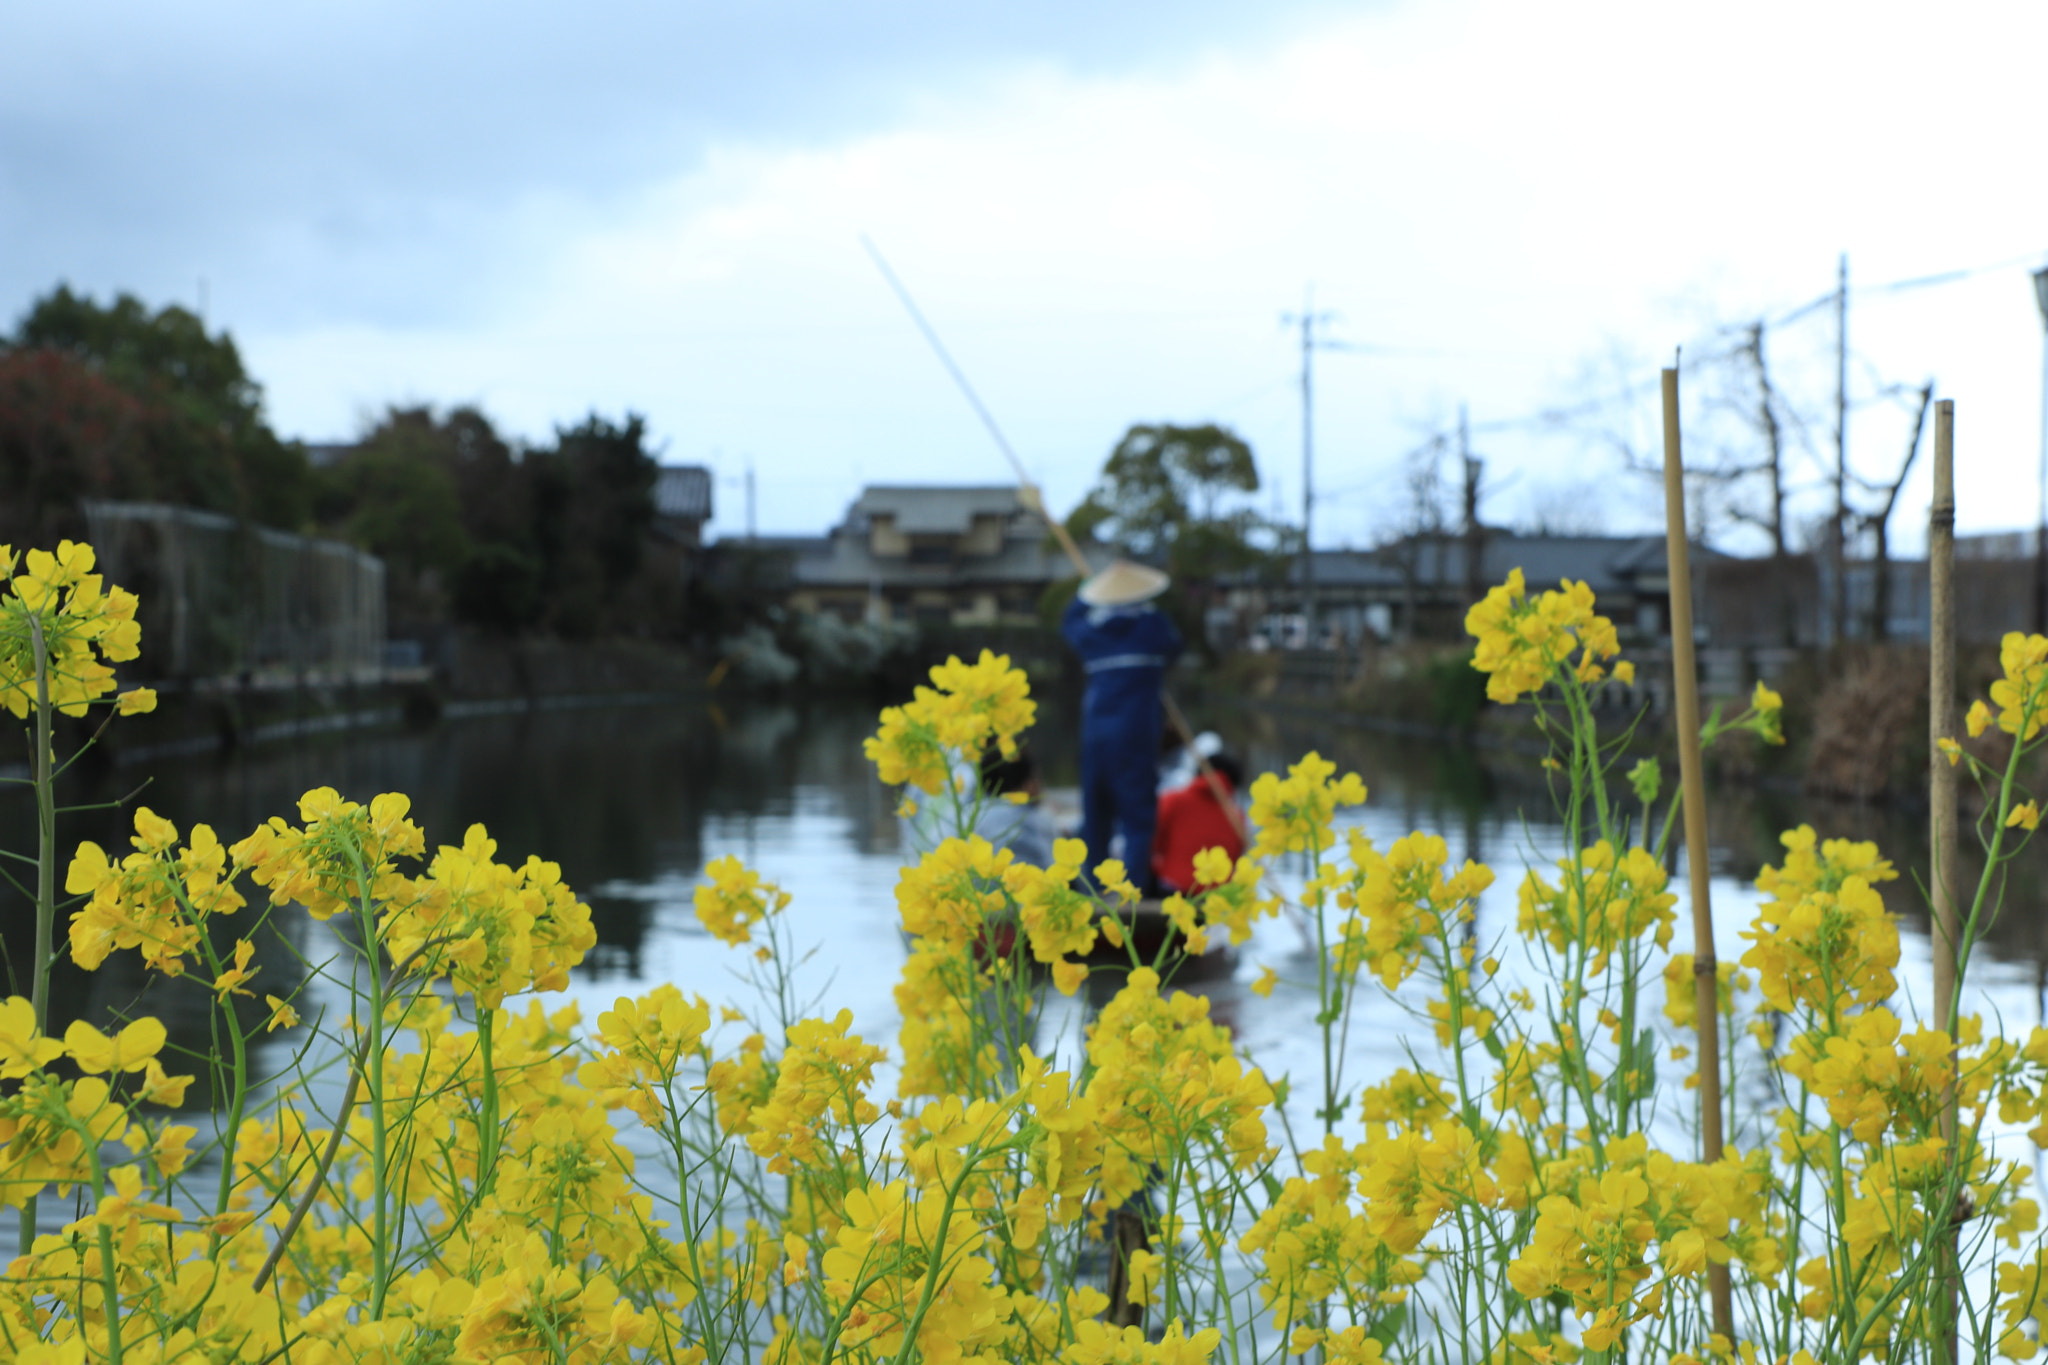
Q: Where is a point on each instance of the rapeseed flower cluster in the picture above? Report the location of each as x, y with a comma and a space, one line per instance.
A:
967, 708
735, 900
1293, 814
1824, 938
83, 625
1523, 642
487, 1177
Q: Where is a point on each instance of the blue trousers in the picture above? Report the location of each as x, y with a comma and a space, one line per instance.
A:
1120, 793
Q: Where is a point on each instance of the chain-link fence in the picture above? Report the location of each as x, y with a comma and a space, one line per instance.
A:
224, 598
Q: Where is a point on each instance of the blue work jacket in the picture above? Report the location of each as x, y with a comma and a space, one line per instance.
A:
1126, 651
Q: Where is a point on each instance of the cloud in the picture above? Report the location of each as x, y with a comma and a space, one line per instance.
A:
1105, 219
397, 163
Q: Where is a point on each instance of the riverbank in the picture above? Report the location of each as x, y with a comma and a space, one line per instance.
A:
476, 675
1855, 716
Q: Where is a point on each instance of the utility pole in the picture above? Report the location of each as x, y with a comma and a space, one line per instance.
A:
1839, 608
2041, 528
1475, 537
750, 502
1308, 319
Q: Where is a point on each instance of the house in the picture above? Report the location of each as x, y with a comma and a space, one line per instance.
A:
929, 554
1422, 586
682, 504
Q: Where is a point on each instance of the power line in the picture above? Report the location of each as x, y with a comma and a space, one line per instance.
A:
1827, 300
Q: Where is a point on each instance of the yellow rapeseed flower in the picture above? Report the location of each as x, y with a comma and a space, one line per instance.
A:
735, 900
968, 707
1294, 813
1769, 708
2022, 694
132, 1049
85, 628
1523, 642
23, 1048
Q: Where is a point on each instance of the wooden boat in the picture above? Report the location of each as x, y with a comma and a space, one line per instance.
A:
1149, 930
1146, 923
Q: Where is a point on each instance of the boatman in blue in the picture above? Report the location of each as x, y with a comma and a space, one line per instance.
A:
1125, 643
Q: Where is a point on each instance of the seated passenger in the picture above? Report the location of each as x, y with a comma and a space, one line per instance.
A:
1191, 820
1023, 826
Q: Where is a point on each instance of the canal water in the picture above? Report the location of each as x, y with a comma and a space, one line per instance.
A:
632, 801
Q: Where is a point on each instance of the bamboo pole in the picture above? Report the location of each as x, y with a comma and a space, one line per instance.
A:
1941, 792
1693, 784
1941, 717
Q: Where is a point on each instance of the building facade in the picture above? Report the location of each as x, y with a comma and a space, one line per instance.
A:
930, 555
1420, 587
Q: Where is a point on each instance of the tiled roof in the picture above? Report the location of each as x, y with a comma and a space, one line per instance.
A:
1606, 563
934, 510
683, 491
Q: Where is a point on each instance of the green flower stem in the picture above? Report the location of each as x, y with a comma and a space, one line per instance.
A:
358, 1065
380, 1249
487, 1135
110, 1283
46, 872
233, 1128
930, 1292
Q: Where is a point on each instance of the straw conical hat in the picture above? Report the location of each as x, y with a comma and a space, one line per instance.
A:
1123, 584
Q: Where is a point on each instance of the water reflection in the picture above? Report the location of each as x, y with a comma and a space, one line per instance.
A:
633, 800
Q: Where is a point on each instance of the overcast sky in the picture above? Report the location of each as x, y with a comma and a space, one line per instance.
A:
1106, 210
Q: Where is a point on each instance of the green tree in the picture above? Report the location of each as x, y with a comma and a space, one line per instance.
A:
1177, 496
394, 496
554, 537
593, 501
211, 446
466, 520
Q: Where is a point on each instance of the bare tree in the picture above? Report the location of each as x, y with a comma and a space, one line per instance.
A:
1419, 528
1773, 432
1878, 521
1738, 443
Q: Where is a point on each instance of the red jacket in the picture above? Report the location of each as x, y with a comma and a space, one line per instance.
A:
1190, 820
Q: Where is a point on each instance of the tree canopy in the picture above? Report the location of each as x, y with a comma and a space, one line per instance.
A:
554, 537
1179, 496
192, 429
122, 402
